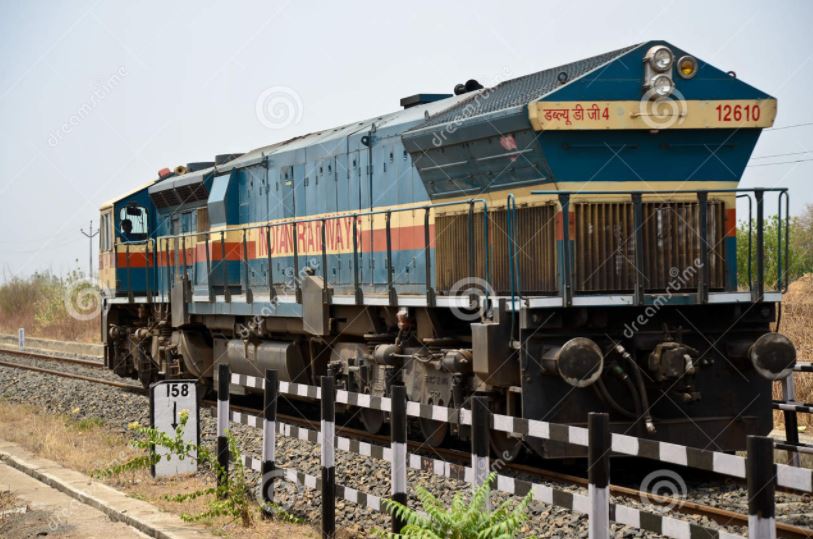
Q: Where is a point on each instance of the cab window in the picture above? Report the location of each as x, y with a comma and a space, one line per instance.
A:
105, 232
133, 223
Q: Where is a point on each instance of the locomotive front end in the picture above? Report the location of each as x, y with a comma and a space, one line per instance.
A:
647, 158
613, 190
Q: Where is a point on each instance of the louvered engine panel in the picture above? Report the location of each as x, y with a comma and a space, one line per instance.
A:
604, 254
534, 233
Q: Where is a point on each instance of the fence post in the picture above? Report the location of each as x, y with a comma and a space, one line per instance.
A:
758, 294
223, 381
269, 436
761, 477
598, 474
791, 420
398, 438
480, 441
328, 457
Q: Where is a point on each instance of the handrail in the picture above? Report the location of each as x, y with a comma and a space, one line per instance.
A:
515, 281
365, 213
355, 216
666, 191
756, 286
750, 232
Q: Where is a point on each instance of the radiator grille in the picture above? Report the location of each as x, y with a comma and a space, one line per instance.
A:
604, 255
534, 230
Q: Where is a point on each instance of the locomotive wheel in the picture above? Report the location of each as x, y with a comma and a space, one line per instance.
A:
372, 420
504, 447
434, 432
147, 377
147, 373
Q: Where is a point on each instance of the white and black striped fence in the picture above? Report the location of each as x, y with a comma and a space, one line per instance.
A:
762, 474
790, 409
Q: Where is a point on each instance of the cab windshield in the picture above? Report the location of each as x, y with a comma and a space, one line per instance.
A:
133, 223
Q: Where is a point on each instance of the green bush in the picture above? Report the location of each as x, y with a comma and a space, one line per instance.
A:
231, 497
800, 249
459, 521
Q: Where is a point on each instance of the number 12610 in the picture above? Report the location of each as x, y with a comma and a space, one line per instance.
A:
737, 113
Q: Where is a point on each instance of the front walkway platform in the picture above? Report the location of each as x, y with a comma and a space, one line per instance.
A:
75, 505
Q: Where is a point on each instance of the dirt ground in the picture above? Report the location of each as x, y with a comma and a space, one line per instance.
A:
86, 445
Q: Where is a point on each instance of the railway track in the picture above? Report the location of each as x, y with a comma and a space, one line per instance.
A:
717, 514
74, 376
60, 359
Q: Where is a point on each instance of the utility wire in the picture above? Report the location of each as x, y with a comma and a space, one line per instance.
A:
780, 163
781, 154
788, 126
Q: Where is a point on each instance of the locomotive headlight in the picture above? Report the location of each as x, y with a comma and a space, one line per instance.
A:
660, 58
662, 85
773, 356
580, 362
687, 66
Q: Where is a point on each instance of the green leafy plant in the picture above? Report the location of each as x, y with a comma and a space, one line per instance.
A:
231, 497
150, 439
459, 520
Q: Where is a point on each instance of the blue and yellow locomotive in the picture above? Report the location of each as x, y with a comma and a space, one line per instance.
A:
562, 242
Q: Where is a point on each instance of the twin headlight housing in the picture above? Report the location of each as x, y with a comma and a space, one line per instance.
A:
658, 63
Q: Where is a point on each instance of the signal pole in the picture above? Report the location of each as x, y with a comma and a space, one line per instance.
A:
90, 235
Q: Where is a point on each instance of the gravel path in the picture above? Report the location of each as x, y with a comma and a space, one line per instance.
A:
117, 408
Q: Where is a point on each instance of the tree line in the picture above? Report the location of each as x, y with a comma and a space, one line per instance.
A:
799, 253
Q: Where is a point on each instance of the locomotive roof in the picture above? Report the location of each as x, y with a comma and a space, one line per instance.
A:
508, 98
506, 95
520, 91
410, 115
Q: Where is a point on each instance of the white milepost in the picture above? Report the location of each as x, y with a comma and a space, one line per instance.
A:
21, 338
168, 399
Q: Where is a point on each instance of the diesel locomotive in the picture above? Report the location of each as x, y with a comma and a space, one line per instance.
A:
561, 242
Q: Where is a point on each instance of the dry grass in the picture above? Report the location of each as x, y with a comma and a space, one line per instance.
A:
797, 325
7, 501
87, 446
40, 305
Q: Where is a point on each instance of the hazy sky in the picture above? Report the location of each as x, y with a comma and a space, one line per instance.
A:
95, 97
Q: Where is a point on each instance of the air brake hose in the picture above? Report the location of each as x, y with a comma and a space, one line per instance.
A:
619, 373
639, 380
604, 395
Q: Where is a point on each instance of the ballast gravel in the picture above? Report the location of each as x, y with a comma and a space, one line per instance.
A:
117, 408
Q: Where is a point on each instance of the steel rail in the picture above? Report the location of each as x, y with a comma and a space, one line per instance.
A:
60, 359
73, 376
721, 516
